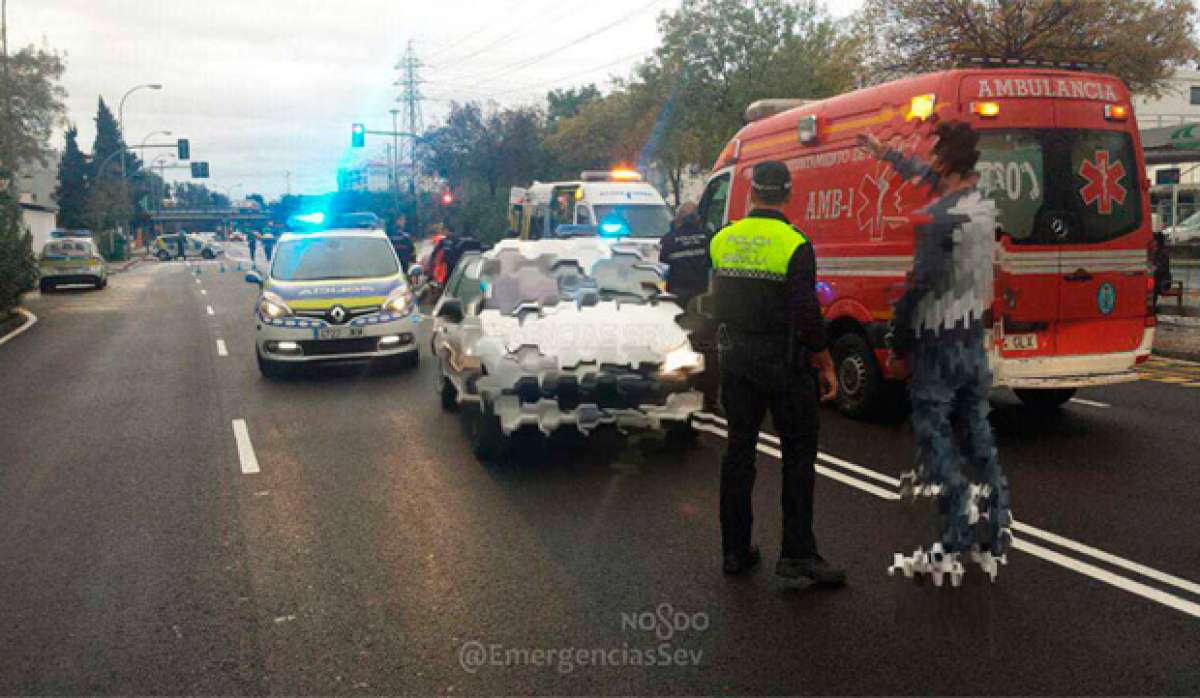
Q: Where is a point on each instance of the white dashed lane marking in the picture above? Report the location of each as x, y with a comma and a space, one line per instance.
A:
714, 424
221, 350
209, 310
1090, 403
241, 435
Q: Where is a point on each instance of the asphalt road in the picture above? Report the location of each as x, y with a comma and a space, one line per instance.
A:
371, 547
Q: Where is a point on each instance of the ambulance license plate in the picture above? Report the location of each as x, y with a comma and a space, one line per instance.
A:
339, 332
1020, 342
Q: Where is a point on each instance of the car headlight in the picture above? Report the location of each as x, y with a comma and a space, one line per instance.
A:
400, 302
681, 361
273, 307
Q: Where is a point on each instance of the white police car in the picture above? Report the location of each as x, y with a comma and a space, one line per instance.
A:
333, 296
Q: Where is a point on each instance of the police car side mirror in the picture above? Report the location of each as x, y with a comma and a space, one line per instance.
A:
253, 277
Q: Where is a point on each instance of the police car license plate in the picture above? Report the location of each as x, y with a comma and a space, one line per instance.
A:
339, 332
1020, 342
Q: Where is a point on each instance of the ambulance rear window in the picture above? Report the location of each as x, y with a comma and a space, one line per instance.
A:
1061, 186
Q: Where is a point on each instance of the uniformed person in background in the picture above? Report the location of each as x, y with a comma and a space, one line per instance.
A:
684, 249
771, 333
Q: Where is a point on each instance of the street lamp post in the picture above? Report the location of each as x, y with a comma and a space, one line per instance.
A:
121, 113
121, 127
229, 195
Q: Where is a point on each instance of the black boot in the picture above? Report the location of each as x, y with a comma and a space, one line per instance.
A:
743, 563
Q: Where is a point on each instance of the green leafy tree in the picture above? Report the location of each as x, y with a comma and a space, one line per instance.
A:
72, 191
30, 104
565, 103
1142, 41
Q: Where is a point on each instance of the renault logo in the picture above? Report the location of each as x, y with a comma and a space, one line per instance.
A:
338, 314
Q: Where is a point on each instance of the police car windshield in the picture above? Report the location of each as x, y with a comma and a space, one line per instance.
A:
328, 258
635, 220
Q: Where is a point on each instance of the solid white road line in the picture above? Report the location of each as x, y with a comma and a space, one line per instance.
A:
1116, 580
30, 321
1090, 403
827, 472
1084, 568
209, 310
245, 448
1111, 559
221, 350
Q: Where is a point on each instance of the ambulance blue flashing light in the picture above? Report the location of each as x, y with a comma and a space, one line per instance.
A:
307, 222
314, 218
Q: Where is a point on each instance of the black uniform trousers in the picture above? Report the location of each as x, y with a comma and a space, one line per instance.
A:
756, 377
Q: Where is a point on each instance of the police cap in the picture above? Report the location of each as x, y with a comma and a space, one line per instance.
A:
772, 178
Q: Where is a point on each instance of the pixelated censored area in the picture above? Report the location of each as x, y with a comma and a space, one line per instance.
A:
575, 332
965, 293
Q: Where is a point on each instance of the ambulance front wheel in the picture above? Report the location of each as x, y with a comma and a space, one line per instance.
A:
860, 382
1044, 398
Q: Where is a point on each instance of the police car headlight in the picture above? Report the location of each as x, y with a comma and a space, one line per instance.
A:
681, 361
272, 306
399, 302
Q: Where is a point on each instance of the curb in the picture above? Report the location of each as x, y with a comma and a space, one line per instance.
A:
1179, 355
1180, 320
30, 321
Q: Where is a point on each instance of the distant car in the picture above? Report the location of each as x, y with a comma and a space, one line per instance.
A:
556, 334
237, 237
1186, 232
72, 260
166, 247
333, 296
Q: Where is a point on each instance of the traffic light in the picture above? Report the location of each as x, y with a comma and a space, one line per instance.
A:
358, 135
447, 197
199, 170
185, 149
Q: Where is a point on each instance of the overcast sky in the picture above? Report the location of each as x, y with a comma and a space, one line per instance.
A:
266, 87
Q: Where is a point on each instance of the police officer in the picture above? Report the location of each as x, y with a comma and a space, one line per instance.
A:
770, 332
183, 243
402, 242
685, 252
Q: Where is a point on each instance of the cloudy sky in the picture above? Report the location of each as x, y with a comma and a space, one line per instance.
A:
267, 87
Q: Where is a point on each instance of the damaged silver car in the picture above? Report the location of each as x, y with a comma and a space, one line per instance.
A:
562, 334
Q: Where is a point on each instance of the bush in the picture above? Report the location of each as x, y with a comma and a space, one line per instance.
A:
18, 269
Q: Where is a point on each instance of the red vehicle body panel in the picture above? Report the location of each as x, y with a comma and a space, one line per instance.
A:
1081, 292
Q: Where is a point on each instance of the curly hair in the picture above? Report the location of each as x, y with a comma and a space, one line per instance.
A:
956, 146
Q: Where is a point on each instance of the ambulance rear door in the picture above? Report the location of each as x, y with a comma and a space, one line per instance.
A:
1012, 167
1103, 251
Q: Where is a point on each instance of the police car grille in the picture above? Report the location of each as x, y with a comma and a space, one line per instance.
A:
351, 313
329, 347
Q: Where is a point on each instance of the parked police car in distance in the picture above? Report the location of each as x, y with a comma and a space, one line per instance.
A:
568, 333
333, 296
166, 247
71, 260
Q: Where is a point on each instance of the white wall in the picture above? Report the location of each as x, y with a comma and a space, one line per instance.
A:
39, 223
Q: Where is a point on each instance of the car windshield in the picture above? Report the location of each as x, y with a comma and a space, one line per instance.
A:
1192, 221
67, 248
510, 280
635, 220
327, 258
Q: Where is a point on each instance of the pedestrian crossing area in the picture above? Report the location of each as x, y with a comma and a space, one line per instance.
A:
1163, 370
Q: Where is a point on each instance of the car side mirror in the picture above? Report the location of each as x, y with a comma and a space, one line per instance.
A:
451, 309
253, 277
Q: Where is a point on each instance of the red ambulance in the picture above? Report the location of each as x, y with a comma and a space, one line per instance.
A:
1060, 156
